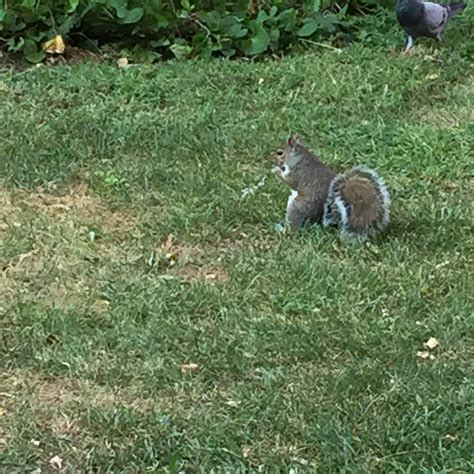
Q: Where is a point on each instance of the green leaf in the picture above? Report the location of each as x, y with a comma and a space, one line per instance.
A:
258, 43
328, 22
120, 7
159, 43
15, 44
273, 11
211, 19
72, 6
261, 17
342, 12
32, 53
314, 5
15, 25
233, 27
138, 54
181, 51
310, 25
3, 14
286, 18
28, 3
67, 26
229, 52
237, 31
132, 16
275, 35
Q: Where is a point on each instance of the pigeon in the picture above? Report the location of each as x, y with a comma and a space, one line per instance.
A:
419, 18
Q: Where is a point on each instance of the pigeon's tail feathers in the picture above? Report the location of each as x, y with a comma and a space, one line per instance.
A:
455, 8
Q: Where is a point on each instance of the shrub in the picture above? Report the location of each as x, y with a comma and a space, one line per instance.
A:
182, 27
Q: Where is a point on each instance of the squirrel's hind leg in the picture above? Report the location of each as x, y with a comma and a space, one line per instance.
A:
279, 227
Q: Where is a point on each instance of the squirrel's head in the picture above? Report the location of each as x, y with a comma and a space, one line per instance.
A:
288, 156
288, 148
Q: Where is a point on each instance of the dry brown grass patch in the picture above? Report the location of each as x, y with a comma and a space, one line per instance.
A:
71, 237
191, 262
450, 115
59, 266
79, 204
9, 212
52, 402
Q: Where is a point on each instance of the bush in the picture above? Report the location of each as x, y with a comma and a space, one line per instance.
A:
184, 28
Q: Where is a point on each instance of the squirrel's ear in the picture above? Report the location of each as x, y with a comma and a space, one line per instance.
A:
295, 139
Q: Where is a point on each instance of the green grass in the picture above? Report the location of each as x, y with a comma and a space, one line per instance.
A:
306, 346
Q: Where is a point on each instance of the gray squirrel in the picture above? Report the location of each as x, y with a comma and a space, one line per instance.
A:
357, 201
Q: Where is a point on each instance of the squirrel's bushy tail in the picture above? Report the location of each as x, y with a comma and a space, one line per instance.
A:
359, 202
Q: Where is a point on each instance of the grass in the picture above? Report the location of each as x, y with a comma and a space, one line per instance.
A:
128, 253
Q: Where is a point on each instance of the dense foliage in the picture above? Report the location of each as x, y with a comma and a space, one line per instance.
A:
181, 27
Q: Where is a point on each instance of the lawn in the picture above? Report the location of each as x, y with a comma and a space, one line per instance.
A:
152, 318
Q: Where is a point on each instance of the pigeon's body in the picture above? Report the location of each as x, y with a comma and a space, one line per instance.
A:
419, 18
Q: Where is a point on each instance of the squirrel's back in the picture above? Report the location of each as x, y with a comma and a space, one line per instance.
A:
359, 202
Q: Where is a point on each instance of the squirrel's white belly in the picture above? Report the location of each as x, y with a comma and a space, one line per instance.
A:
293, 196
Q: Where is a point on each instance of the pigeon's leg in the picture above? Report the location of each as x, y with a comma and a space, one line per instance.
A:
410, 43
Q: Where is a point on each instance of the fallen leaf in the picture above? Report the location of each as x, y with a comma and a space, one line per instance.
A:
35, 442
56, 462
55, 45
432, 77
303, 462
189, 367
101, 306
447, 186
52, 60
169, 243
122, 63
232, 403
431, 343
171, 256
245, 452
261, 80
423, 354
2, 411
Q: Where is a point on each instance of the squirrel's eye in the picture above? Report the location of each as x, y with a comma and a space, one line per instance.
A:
280, 153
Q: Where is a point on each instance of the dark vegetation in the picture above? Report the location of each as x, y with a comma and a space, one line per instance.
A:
181, 28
